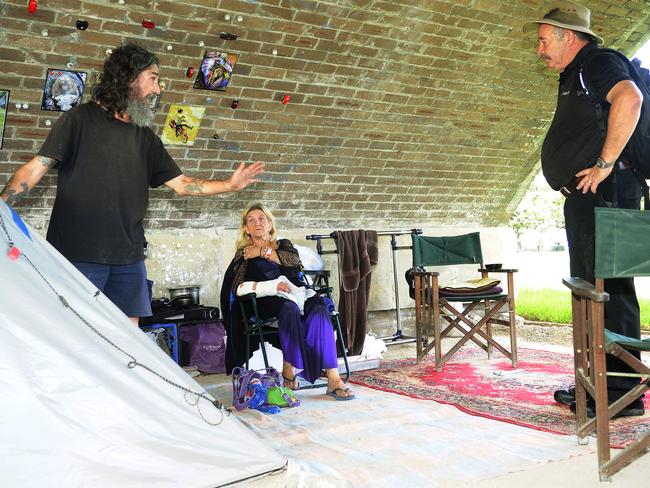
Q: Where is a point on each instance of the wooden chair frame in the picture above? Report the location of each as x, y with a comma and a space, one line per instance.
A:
431, 308
590, 347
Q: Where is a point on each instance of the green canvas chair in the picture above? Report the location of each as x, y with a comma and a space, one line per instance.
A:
432, 307
622, 251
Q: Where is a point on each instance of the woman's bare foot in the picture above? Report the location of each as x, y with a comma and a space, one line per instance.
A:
289, 375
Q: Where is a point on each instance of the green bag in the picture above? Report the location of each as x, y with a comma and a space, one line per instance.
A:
281, 396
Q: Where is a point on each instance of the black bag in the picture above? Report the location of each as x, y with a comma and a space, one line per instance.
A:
637, 149
410, 279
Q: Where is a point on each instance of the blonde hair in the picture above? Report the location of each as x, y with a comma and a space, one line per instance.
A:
243, 238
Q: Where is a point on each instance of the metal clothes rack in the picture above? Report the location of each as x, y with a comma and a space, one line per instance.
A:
398, 337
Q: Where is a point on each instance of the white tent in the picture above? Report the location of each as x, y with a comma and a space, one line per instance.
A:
72, 411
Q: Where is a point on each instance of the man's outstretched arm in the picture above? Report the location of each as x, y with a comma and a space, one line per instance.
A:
243, 176
24, 179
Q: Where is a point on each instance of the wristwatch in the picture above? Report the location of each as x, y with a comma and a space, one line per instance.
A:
602, 164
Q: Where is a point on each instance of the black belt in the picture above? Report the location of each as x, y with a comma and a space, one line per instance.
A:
570, 187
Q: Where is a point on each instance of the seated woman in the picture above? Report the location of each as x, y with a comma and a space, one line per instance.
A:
262, 262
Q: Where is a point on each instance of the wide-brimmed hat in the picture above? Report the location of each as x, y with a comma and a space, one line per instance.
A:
567, 15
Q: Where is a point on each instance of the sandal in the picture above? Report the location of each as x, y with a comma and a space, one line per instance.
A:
294, 385
341, 398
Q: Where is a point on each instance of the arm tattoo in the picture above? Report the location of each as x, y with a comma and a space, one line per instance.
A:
12, 196
15, 190
45, 161
195, 187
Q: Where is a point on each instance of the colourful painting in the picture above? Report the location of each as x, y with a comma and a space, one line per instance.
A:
182, 124
215, 71
4, 106
63, 89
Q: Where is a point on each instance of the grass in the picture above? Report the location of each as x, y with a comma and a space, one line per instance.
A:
545, 305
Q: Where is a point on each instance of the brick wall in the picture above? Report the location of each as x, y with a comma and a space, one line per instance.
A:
402, 113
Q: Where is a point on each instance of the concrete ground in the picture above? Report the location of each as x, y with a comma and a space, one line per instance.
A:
578, 470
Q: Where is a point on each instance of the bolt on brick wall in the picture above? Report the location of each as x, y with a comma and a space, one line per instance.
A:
402, 113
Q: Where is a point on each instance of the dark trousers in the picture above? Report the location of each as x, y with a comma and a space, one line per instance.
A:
623, 190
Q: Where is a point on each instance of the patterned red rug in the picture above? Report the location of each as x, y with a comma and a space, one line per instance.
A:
493, 389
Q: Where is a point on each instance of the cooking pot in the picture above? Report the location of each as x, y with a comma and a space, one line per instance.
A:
184, 296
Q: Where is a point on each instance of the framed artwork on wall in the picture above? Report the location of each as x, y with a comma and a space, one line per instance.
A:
215, 71
63, 89
182, 124
4, 106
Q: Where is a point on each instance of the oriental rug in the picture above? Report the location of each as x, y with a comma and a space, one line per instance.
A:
494, 389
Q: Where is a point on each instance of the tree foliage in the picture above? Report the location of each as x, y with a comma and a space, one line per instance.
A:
540, 210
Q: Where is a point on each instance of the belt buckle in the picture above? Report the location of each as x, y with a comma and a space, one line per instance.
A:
565, 192
622, 165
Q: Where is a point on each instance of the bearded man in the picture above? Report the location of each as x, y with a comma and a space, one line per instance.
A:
107, 158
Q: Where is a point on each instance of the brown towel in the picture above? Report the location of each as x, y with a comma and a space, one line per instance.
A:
357, 255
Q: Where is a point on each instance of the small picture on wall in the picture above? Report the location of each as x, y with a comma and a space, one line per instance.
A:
63, 89
4, 105
182, 124
216, 70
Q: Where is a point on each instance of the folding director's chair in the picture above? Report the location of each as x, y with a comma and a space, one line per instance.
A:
431, 307
622, 251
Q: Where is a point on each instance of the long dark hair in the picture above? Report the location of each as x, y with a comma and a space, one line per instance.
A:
120, 69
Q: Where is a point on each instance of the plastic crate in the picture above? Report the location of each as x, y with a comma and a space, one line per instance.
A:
171, 337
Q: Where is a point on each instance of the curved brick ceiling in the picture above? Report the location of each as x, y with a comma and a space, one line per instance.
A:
402, 113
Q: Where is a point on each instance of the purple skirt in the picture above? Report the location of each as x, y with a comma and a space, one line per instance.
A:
307, 341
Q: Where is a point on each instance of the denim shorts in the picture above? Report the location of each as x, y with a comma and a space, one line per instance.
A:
125, 285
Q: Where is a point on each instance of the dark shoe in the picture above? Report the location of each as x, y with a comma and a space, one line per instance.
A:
565, 397
634, 409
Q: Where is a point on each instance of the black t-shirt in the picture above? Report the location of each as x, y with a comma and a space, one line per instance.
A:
105, 170
574, 140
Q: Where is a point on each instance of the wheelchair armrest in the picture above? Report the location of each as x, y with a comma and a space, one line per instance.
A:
327, 290
248, 297
317, 272
584, 289
317, 280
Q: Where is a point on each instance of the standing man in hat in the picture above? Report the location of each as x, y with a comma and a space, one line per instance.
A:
591, 169
107, 159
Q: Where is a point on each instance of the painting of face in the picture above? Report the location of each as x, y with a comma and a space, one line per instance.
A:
63, 89
216, 70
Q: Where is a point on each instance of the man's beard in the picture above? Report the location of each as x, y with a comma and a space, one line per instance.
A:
142, 111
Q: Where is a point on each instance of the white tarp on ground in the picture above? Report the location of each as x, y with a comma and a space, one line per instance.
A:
72, 413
